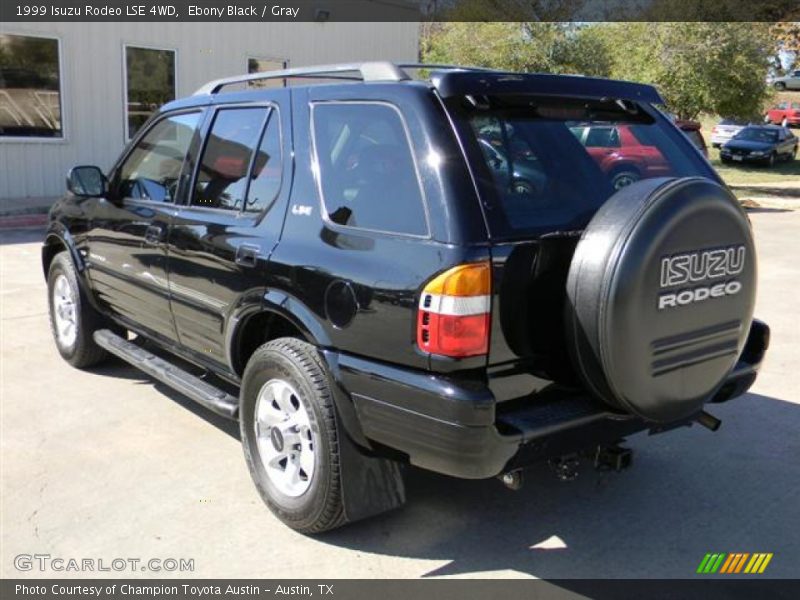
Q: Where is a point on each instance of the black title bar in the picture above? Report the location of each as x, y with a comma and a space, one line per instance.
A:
397, 10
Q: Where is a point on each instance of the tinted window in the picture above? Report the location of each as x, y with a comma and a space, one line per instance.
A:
153, 168
366, 168
265, 179
563, 158
602, 137
755, 134
30, 87
222, 176
150, 82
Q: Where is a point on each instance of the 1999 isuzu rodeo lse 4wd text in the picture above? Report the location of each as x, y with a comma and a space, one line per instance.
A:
461, 273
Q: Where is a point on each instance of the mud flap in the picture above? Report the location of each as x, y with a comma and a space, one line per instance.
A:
370, 485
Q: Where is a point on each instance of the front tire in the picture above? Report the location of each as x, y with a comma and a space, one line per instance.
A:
73, 320
289, 435
780, 86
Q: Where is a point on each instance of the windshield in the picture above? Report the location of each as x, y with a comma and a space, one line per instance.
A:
752, 134
548, 164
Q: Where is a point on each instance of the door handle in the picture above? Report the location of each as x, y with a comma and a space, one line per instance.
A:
247, 255
154, 234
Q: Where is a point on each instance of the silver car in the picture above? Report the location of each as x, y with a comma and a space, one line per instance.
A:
790, 81
725, 130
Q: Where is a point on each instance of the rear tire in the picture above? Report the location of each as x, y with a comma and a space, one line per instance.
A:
290, 442
73, 320
780, 86
624, 176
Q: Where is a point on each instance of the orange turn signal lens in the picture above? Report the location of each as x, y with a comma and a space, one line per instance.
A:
473, 279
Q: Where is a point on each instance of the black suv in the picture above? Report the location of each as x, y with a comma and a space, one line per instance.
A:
376, 270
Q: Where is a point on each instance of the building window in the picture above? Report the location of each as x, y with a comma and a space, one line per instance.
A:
265, 65
30, 87
149, 81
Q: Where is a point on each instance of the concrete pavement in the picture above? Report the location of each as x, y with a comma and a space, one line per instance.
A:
106, 464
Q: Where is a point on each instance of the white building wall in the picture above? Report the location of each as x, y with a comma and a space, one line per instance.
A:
93, 106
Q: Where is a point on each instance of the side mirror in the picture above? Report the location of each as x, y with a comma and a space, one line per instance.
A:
88, 181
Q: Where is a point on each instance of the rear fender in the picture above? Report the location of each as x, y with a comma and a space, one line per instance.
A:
303, 318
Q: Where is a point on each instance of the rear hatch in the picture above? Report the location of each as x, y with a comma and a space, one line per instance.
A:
545, 153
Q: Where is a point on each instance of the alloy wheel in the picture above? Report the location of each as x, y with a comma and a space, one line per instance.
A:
284, 438
64, 312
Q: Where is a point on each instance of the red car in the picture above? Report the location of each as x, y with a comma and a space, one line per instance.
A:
624, 157
692, 131
785, 114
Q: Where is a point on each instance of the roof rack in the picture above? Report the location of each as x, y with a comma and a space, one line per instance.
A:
365, 71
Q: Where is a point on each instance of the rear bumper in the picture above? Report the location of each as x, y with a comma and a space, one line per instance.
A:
458, 429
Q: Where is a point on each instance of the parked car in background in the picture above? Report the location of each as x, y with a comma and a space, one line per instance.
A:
692, 131
784, 114
725, 130
623, 152
764, 144
790, 81
524, 175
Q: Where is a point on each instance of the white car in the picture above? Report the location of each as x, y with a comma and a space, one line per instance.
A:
790, 81
725, 130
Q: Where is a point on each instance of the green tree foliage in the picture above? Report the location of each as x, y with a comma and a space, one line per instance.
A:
528, 46
698, 67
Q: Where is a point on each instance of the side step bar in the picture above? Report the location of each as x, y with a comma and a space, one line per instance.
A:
212, 398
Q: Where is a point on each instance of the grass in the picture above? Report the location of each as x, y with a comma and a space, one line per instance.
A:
750, 174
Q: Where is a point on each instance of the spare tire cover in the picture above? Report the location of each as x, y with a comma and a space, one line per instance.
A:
660, 296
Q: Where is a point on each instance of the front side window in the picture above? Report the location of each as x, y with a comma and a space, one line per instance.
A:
222, 176
150, 82
153, 168
30, 87
367, 173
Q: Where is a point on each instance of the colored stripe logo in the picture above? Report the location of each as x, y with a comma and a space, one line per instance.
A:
736, 562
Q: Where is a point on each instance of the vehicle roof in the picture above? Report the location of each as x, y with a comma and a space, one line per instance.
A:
448, 80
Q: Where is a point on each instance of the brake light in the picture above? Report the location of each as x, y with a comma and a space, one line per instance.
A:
714, 129
453, 315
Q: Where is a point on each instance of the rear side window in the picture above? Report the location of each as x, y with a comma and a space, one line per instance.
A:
222, 176
367, 174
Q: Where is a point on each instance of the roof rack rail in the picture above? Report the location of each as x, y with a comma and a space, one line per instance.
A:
443, 67
365, 71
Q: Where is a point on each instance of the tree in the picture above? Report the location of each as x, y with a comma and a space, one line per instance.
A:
527, 46
698, 67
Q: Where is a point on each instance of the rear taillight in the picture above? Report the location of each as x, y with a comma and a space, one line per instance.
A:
714, 129
453, 316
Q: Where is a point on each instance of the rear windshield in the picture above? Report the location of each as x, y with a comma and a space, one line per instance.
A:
548, 164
